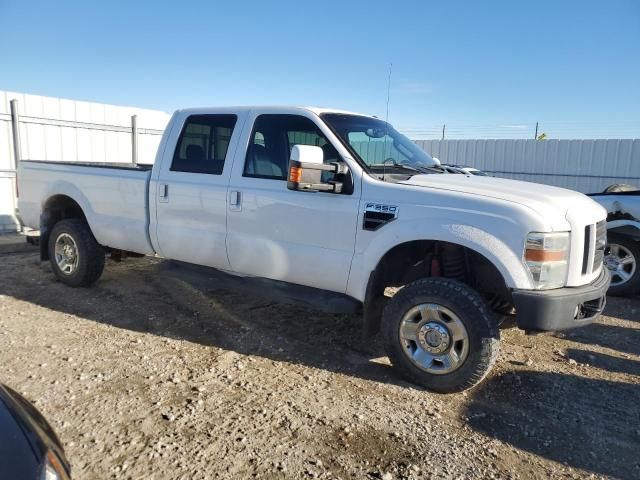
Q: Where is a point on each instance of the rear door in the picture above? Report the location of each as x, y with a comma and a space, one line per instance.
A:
191, 189
299, 237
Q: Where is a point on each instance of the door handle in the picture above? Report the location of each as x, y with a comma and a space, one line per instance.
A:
235, 200
163, 192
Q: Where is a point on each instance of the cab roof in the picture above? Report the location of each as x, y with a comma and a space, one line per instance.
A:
272, 109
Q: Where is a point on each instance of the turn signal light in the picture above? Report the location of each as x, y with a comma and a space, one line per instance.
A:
295, 174
545, 255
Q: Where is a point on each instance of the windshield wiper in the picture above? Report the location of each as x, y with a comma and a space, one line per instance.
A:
411, 168
395, 165
435, 168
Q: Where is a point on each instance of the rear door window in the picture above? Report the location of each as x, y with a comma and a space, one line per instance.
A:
203, 144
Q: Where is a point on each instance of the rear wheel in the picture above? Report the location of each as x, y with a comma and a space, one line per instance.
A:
621, 257
440, 334
76, 257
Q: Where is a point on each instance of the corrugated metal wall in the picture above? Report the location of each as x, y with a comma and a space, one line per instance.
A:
582, 165
71, 130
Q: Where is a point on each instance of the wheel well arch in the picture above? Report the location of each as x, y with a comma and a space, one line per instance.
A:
416, 259
56, 208
630, 228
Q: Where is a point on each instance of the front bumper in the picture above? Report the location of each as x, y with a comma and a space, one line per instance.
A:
561, 308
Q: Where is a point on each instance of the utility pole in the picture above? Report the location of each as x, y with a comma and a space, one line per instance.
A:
443, 128
535, 137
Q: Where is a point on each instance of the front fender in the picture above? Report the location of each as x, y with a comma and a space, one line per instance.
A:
501, 255
630, 228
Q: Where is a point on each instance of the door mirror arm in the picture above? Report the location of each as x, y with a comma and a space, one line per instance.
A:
305, 176
306, 167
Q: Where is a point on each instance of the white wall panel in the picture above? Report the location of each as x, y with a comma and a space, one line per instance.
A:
35, 145
6, 144
69, 144
67, 109
83, 141
147, 147
7, 220
95, 141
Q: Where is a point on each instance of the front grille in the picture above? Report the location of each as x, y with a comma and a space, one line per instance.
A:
601, 241
586, 248
594, 243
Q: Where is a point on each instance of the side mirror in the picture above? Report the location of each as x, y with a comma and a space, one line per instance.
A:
306, 167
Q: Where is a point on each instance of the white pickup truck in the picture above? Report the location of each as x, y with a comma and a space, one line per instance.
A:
343, 203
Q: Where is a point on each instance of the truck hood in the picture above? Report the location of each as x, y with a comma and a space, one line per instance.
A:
549, 202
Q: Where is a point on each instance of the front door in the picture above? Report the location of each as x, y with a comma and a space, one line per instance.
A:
299, 237
191, 191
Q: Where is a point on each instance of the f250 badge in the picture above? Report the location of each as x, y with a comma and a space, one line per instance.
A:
381, 208
378, 214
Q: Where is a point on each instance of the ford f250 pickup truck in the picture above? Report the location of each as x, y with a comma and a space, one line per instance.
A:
343, 203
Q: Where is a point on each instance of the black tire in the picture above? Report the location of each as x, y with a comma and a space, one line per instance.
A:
90, 254
632, 286
472, 311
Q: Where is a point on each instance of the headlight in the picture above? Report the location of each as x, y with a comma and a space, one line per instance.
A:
53, 469
546, 256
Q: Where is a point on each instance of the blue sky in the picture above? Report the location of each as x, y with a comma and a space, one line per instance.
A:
490, 68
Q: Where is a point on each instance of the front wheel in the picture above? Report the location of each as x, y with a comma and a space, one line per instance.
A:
440, 334
76, 257
621, 257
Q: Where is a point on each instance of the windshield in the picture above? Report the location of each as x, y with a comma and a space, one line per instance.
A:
378, 146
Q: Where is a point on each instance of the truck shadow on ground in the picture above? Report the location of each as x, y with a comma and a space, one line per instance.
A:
605, 362
615, 337
580, 422
620, 308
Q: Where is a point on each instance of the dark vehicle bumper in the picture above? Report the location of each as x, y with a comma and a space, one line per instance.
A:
561, 308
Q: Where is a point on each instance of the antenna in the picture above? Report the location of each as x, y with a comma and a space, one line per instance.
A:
388, 91
386, 121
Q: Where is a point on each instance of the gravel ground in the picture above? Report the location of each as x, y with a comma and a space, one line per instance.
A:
148, 376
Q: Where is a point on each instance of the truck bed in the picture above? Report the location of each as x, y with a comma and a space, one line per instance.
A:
112, 196
118, 165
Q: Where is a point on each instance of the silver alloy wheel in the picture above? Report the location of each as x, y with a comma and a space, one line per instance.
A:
434, 338
66, 253
620, 262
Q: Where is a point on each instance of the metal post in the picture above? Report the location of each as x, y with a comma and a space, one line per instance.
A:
443, 127
535, 137
15, 128
134, 139
17, 156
